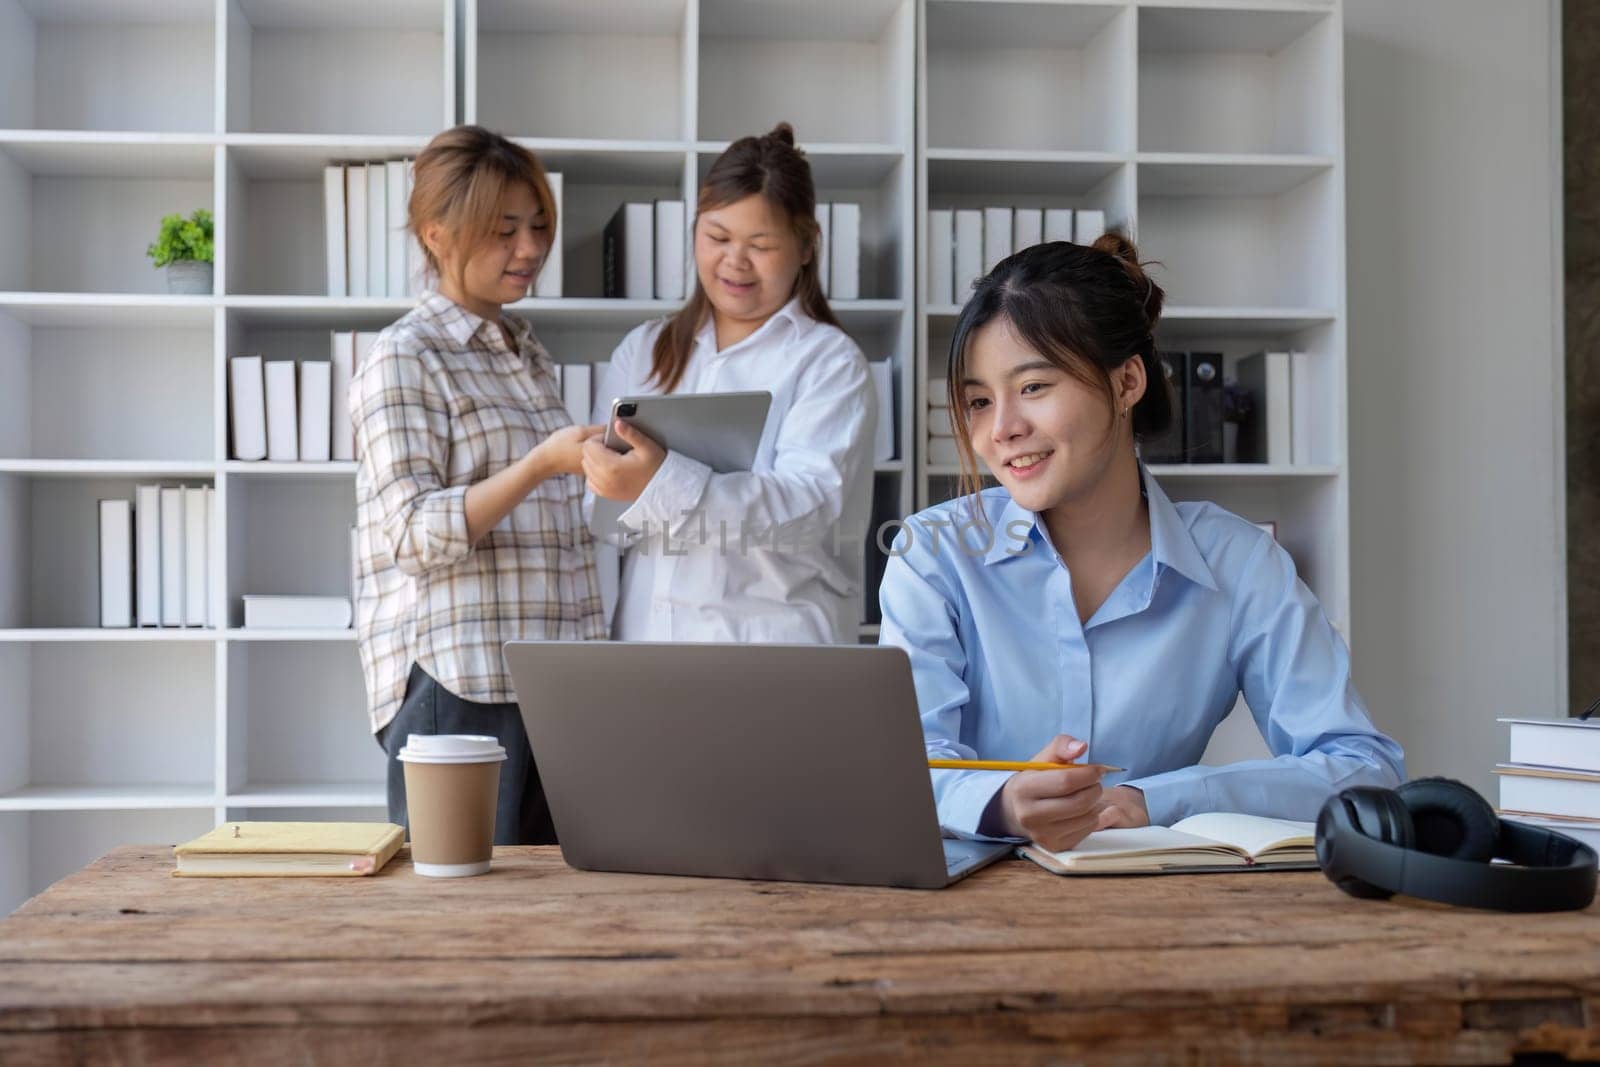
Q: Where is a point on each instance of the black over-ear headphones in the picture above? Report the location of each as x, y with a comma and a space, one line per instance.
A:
1434, 838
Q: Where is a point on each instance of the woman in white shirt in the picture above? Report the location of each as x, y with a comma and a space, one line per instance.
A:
774, 554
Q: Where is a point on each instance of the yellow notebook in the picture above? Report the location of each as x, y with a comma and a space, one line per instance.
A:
1213, 841
270, 849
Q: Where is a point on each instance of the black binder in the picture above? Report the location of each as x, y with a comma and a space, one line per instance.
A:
1202, 422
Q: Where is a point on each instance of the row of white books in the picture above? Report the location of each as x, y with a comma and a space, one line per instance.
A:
155, 557
941, 430
966, 243
370, 252
1552, 778
287, 410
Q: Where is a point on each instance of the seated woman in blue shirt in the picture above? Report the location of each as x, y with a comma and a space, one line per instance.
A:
1076, 613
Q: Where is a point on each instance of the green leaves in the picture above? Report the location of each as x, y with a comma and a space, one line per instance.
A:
183, 238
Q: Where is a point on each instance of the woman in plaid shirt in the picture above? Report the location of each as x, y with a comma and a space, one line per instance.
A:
470, 528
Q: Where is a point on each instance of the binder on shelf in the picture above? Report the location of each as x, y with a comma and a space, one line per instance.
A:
116, 564
883, 387
315, 410
1308, 410
824, 244
355, 221
941, 258
196, 541
1058, 224
629, 254
577, 392
1088, 225
670, 257
296, 612
377, 240
1027, 228
333, 222
1266, 435
147, 554
996, 236
212, 553
342, 361
1168, 447
416, 261
844, 261
172, 559
394, 230
248, 408
283, 443
969, 251
1202, 415
549, 282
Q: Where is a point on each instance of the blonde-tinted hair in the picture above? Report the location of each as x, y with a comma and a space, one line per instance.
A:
459, 180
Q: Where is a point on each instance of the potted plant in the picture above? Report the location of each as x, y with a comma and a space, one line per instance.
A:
184, 246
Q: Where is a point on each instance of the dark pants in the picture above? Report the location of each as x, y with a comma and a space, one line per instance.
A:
522, 816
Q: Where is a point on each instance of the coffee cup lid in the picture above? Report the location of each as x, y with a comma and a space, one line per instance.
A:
451, 748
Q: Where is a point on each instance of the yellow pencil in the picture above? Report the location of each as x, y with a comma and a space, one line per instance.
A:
1008, 765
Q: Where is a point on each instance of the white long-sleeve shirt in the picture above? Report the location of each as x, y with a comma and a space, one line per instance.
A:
775, 554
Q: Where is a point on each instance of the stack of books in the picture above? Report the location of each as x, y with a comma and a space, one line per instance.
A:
964, 244
839, 254
1552, 779
646, 252
287, 412
155, 557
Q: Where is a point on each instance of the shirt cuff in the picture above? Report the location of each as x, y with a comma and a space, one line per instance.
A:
444, 524
1171, 797
677, 487
964, 797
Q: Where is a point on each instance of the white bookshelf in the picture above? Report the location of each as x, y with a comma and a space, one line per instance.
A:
114, 112
1212, 130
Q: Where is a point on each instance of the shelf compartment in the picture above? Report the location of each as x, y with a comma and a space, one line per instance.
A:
527, 54
112, 724
108, 65
1210, 174
1279, 251
102, 392
49, 533
1030, 76
326, 68
833, 69
298, 731
83, 214
287, 537
1213, 79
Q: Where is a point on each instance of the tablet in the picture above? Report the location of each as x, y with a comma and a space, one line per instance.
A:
721, 430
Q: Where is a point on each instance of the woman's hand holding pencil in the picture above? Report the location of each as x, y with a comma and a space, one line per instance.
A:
1058, 802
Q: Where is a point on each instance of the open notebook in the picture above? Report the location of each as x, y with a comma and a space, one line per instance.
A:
1213, 841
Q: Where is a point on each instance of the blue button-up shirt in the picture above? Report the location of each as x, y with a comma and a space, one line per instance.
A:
1002, 663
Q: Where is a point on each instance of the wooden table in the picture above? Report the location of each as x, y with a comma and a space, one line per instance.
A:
122, 963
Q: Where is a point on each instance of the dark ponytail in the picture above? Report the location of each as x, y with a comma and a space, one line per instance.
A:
1086, 308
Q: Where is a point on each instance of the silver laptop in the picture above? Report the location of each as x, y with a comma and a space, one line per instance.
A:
801, 763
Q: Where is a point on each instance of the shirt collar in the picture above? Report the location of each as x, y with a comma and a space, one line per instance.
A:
462, 325
791, 314
1171, 544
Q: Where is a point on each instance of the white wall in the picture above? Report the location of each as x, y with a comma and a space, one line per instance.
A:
1456, 449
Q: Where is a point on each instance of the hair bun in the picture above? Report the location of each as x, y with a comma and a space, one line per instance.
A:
782, 132
1126, 253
